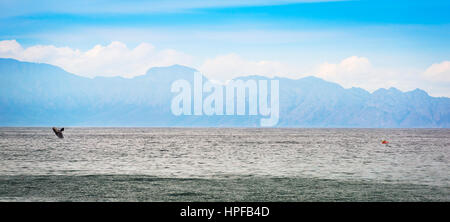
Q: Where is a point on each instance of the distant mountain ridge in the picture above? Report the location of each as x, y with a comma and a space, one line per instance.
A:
34, 94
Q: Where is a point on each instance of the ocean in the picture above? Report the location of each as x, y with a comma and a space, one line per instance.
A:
224, 164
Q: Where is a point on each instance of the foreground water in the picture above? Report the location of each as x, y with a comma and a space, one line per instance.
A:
214, 164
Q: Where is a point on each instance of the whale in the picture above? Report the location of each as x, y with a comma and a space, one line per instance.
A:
58, 132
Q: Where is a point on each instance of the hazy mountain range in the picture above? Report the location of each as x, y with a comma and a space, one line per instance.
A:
34, 94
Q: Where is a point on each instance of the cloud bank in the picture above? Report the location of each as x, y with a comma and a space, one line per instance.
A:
117, 59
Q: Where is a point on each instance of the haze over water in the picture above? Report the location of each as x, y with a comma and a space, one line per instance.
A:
417, 158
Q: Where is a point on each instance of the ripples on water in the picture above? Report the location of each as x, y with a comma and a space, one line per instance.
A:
414, 156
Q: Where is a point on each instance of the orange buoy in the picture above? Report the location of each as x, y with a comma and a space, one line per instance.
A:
384, 142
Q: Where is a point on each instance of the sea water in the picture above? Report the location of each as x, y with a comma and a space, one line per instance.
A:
224, 164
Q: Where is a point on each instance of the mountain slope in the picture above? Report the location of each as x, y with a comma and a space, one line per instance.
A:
41, 94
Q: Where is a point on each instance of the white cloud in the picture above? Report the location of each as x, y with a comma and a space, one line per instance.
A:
347, 71
229, 66
115, 59
357, 71
438, 72
9, 48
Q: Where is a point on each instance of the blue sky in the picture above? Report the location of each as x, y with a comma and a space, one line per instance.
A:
368, 44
